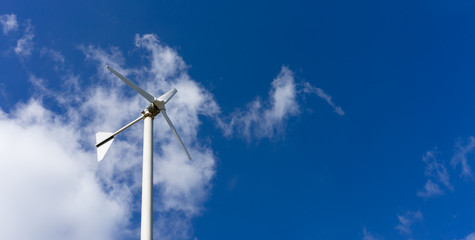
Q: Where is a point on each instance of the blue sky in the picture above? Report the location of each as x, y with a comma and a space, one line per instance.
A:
305, 119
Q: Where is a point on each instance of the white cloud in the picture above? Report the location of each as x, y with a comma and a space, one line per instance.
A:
112, 56
407, 220
266, 119
55, 56
435, 170
368, 235
48, 181
24, 45
431, 189
471, 236
9, 23
165, 62
307, 88
463, 148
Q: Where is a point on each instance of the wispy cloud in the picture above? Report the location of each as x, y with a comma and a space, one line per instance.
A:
406, 221
307, 88
55, 56
24, 45
435, 170
368, 235
463, 148
471, 236
431, 189
9, 23
266, 118
165, 61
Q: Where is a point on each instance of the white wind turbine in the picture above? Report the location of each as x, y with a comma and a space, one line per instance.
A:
104, 141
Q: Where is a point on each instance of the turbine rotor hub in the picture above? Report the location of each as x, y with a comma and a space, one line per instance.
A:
151, 110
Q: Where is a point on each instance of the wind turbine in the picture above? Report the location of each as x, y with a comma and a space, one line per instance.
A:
105, 139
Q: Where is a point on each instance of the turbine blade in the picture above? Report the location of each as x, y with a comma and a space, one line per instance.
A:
165, 97
142, 92
103, 142
174, 132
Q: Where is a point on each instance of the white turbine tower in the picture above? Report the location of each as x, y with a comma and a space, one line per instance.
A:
104, 141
